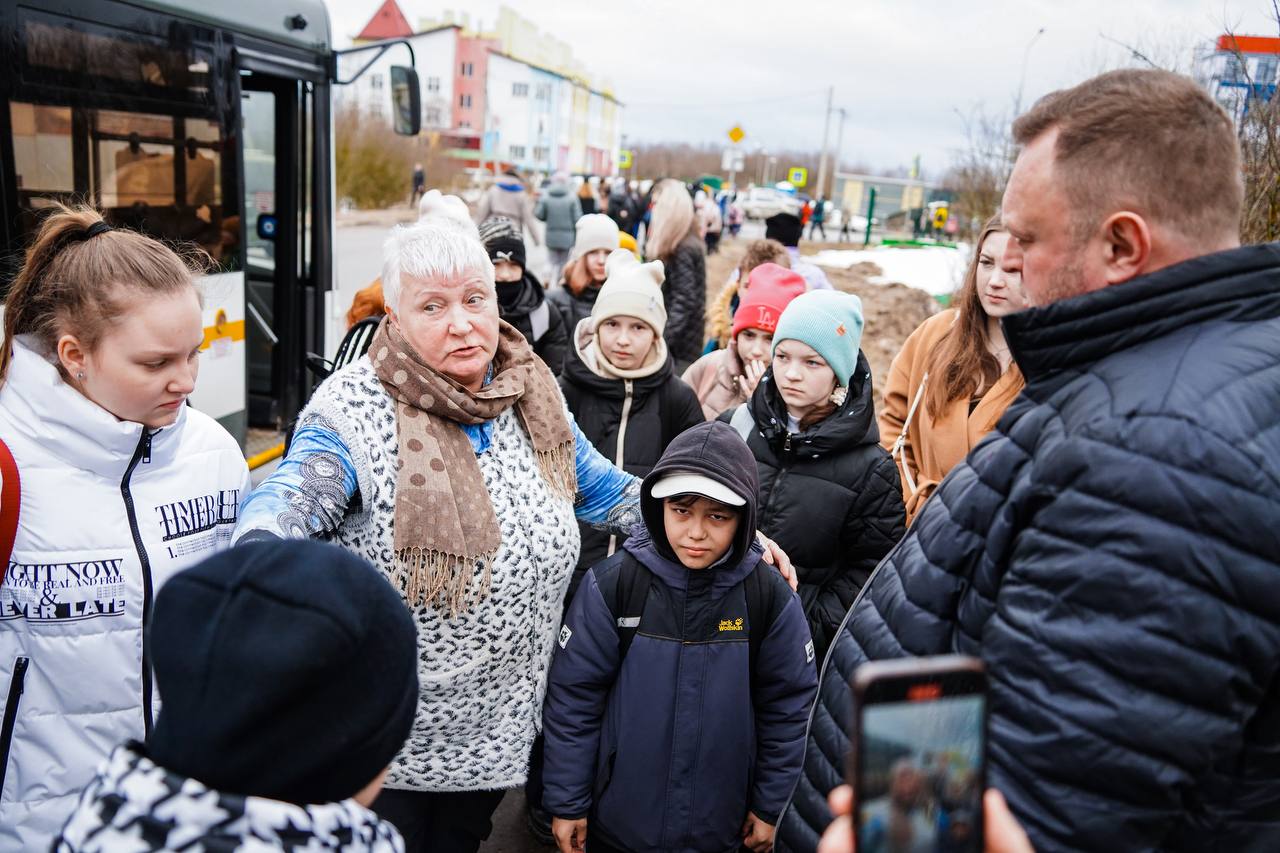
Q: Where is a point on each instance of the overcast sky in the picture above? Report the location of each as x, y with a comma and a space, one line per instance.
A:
905, 70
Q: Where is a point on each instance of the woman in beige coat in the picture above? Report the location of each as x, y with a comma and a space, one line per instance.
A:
954, 377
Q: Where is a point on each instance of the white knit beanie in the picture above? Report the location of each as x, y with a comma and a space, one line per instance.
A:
436, 206
594, 231
631, 289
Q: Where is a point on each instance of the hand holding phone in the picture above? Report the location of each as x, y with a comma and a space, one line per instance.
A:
918, 760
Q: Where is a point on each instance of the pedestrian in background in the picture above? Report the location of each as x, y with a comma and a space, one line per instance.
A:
673, 239
119, 485
712, 223
313, 660
787, 229
622, 207
587, 197
831, 492
818, 217
419, 183
955, 376
560, 210
508, 197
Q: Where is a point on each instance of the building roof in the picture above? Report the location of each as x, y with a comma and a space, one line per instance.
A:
575, 80
387, 23
1249, 44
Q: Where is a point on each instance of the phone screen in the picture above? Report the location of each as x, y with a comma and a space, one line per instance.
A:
921, 775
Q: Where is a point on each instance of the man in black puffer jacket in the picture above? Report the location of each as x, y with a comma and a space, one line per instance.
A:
1112, 549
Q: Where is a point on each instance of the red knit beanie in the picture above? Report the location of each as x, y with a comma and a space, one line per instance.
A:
770, 287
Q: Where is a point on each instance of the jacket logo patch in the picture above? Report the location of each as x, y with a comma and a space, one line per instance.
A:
565, 634
63, 592
198, 514
731, 624
808, 651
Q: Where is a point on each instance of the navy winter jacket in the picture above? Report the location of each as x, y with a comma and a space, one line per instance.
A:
668, 749
1112, 551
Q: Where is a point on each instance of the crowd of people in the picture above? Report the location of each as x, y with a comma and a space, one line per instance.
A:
600, 539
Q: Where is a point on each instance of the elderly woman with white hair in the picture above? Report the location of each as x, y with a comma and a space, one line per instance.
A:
446, 457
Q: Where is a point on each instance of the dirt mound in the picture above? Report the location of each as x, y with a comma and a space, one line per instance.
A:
892, 311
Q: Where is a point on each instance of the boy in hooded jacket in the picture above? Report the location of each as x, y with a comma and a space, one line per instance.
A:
522, 300
673, 722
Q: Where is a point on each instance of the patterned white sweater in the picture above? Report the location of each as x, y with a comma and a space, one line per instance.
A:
483, 674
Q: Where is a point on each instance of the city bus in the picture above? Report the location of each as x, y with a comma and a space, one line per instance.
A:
200, 123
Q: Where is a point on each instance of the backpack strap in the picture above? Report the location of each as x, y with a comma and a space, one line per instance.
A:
10, 505
761, 611
742, 421
629, 596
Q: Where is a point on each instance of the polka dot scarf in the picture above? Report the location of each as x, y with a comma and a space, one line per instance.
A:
446, 534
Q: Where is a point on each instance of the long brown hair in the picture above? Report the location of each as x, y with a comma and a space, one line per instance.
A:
961, 362
671, 221
71, 283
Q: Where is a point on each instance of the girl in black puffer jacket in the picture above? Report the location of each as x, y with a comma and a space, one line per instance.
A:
620, 385
829, 493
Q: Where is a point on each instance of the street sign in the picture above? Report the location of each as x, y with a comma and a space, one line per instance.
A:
736, 134
733, 160
798, 176
940, 217
624, 158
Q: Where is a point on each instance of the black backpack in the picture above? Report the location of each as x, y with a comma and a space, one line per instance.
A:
632, 592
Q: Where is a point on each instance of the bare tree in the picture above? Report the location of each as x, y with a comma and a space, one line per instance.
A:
981, 169
1258, 127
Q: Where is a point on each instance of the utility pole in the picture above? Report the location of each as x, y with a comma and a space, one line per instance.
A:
826, 130
835, 166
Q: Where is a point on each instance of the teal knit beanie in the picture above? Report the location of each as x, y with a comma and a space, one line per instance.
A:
828, 321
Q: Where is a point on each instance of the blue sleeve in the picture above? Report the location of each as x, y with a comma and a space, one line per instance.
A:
608, 497
786, 683
582, 674
308, 493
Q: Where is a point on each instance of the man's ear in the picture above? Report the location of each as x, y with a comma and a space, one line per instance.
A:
1126, 245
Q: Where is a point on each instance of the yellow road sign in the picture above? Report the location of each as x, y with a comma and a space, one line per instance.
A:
798, 176
736, 134
940, 217
624, 159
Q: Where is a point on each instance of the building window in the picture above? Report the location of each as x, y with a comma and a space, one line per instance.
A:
543, 92
465, 124
433, 84
516, 152
375, 81
1231, 70
1266, 70
433, 116
541, 153
468, 69
519, 90
464, 101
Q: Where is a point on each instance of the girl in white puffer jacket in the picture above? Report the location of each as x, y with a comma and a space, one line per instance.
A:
122, 485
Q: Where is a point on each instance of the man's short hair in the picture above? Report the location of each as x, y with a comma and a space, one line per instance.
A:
1147, 140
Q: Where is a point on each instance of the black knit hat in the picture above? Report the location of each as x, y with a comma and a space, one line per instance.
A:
785, 228
286, 670
502, 240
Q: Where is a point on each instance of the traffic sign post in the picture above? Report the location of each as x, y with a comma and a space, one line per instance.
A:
625, 158
736, 134
798, 176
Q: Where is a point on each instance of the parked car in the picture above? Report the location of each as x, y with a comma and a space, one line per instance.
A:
763, 202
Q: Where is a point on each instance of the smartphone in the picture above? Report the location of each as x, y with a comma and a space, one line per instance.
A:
917, 760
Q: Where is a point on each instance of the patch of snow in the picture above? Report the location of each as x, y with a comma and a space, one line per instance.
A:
937, 270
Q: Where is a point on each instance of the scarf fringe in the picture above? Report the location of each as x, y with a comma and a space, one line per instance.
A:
444, 581
559, 468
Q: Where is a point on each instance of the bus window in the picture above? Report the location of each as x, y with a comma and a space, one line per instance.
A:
42, 153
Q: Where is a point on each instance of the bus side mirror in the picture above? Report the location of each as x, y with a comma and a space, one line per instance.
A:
406, 100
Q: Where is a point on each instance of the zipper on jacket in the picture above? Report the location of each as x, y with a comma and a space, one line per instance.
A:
143, 451
786, 442
16, 685
619, 456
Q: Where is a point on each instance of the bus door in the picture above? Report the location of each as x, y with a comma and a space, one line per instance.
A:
284, 127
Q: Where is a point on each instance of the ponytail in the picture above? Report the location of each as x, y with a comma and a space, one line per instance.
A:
72, 275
